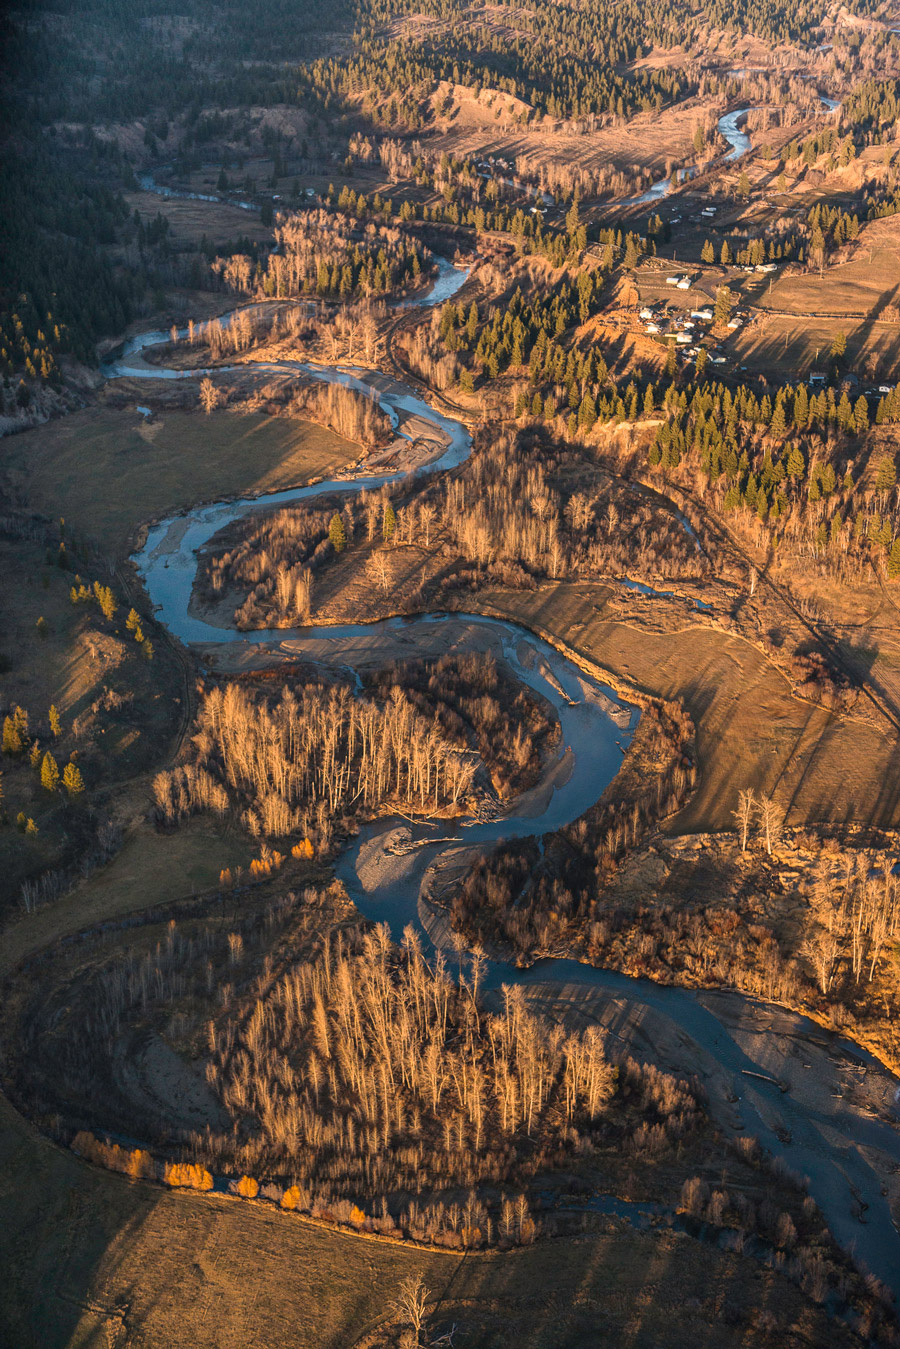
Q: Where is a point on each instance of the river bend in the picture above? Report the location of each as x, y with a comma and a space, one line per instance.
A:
828, 1140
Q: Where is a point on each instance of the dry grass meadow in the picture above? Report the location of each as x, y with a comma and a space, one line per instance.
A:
107, 470
798, 316
751, 730
191, 221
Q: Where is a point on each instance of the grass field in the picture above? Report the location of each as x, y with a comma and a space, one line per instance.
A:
118, 712
189, 221
793, 347
860, 287
751, 732
152, 868
107, 472
798, 315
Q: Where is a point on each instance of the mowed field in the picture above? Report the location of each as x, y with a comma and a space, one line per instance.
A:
798, 316
751, 731
107, 471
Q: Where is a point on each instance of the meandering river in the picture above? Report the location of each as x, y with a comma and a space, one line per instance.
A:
828, 1140
728, 127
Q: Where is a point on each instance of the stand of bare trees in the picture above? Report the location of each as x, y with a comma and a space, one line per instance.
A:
348, 1077
511, 509
300, 763
474, 702
348, 330
374, 1070
855, 930
328, 254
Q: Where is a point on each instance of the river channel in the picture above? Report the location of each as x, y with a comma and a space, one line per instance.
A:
827, 1141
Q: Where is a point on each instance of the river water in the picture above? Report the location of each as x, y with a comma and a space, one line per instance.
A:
728, 127
596, 726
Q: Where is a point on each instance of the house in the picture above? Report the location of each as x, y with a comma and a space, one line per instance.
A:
705, 314
684, 283
817, 380
652, 327
646, 313
673, 280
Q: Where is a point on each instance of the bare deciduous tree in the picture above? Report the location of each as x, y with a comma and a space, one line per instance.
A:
377, 570
770, 820
209, 395
410, 1307
744, 814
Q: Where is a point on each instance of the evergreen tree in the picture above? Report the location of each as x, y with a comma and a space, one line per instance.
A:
893, 566
886, 477
796, 464
336, 533
724, 302
72, 780
778, 424
49, 773
388, 522
55, 725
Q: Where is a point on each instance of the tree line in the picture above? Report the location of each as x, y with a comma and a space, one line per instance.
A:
789, 466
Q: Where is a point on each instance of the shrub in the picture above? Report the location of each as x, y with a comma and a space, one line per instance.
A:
187, 1175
